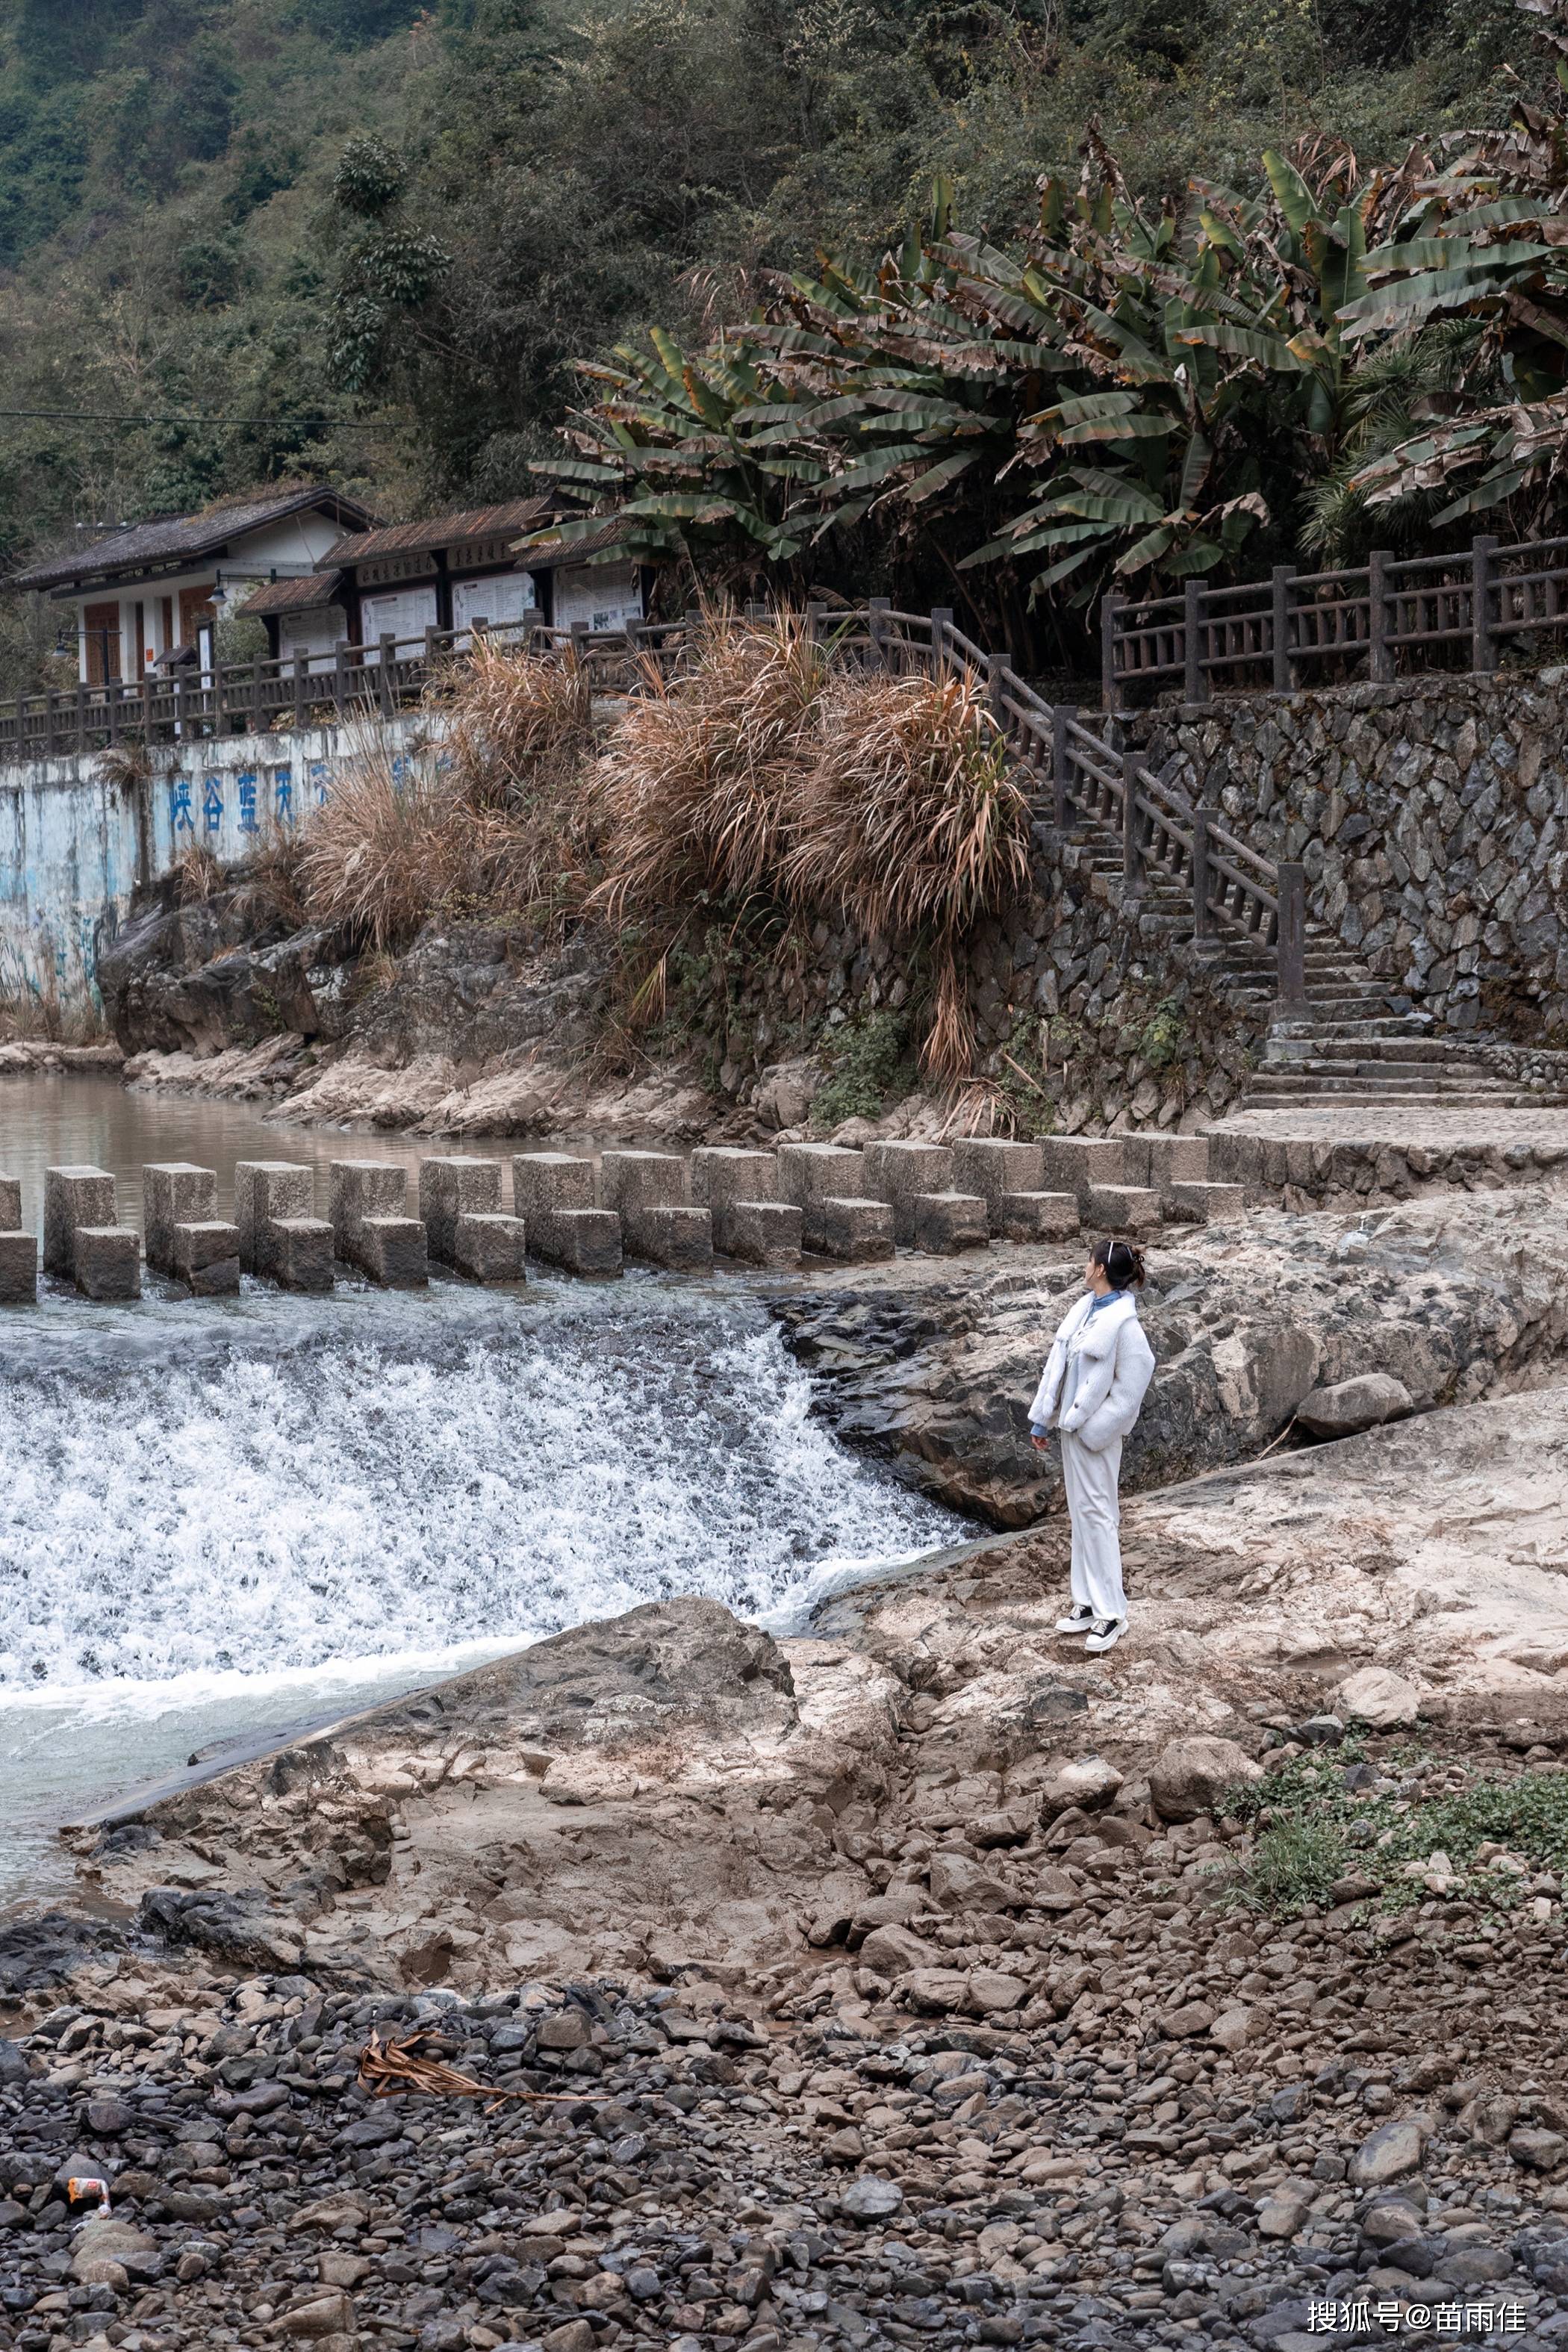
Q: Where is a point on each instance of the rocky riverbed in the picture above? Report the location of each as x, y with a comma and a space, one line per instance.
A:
913, 1978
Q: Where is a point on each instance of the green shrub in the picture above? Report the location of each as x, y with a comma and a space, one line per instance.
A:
871, 1065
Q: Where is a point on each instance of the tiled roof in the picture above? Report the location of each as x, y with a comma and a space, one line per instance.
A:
451, 530
194, 535
292, 595
547, 554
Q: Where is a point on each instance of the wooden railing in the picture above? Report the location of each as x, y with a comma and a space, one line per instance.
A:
1392, 617
298, 690
1082, 772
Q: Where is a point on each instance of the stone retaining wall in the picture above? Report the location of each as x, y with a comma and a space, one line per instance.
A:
1431, 816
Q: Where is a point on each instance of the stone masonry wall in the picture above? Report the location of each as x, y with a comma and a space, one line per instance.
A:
1431, 816
1085, 1021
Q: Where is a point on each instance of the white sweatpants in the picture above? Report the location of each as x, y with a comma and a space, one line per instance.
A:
1090, 1481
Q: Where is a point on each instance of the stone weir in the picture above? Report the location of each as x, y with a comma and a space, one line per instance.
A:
757, 1208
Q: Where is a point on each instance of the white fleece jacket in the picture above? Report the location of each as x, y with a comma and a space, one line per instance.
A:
1115, 1365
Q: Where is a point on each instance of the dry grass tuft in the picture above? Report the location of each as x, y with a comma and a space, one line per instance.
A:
198, 873
379, 854
694, 789
759, 771
516, 722
907, 822
271, 883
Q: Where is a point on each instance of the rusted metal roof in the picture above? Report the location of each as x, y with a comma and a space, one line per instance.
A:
136, 544
292, 595
453, 530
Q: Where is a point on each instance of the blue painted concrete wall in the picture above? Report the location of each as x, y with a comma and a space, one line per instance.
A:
69, 847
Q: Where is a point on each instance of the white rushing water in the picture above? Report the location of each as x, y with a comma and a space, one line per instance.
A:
216, 1519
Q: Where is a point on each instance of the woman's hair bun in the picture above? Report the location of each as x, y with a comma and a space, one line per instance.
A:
1123, 1264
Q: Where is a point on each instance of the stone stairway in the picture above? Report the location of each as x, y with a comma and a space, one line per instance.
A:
1357, 1047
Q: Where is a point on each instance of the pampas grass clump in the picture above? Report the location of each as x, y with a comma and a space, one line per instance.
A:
693, 789
759, 770
381, 852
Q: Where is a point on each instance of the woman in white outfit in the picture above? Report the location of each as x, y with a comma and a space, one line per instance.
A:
1095, 1380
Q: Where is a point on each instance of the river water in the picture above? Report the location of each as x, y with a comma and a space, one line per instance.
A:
226, 1517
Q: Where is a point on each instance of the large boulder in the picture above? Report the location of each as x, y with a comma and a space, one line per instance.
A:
1192, 1776
1375, 1696
1364, 1402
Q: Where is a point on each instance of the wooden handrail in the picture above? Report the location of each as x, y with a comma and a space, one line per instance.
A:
1298, 626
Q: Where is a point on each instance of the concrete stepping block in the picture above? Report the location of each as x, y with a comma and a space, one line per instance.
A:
1071, 1163
392, 1251
994, 1166
650, 1191
298, 1252
490, 1247
10, 1204
107, 1261
942, 1224
631, 1182
18, 1268
579, 1241
860, 1231
1035, 1216
809, 1175
759, 1232
453, 1188
269, 1193
899, 1172
205, 1254
1161, 1161
678, 1237
1199, 1203
1122, 1209
74, 1197
722, 1174
368, 1225
552, 1192
174, 1192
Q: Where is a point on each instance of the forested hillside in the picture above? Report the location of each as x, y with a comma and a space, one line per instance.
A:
249, 237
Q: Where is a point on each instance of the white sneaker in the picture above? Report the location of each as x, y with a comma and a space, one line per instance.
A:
1078, 1622
1106, 1634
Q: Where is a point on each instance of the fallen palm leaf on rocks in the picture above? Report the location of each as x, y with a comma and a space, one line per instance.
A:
386, 2068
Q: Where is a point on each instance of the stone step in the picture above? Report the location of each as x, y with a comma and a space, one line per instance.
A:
1412, 1051
1303, 1098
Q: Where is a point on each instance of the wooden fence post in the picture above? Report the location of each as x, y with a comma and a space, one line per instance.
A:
302, 686
1110, 610
111, 696
814, 613
146, 708
1202, 921
80, 715
1280, 626
383, 686
179, 706
50, 698
1063, 715
255, 668
876, 606
1292, 940
1132, 830
1195, 683
941, 622
1380, 658
1483, 569
339, 675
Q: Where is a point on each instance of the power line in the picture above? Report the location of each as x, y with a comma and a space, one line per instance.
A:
216, 416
